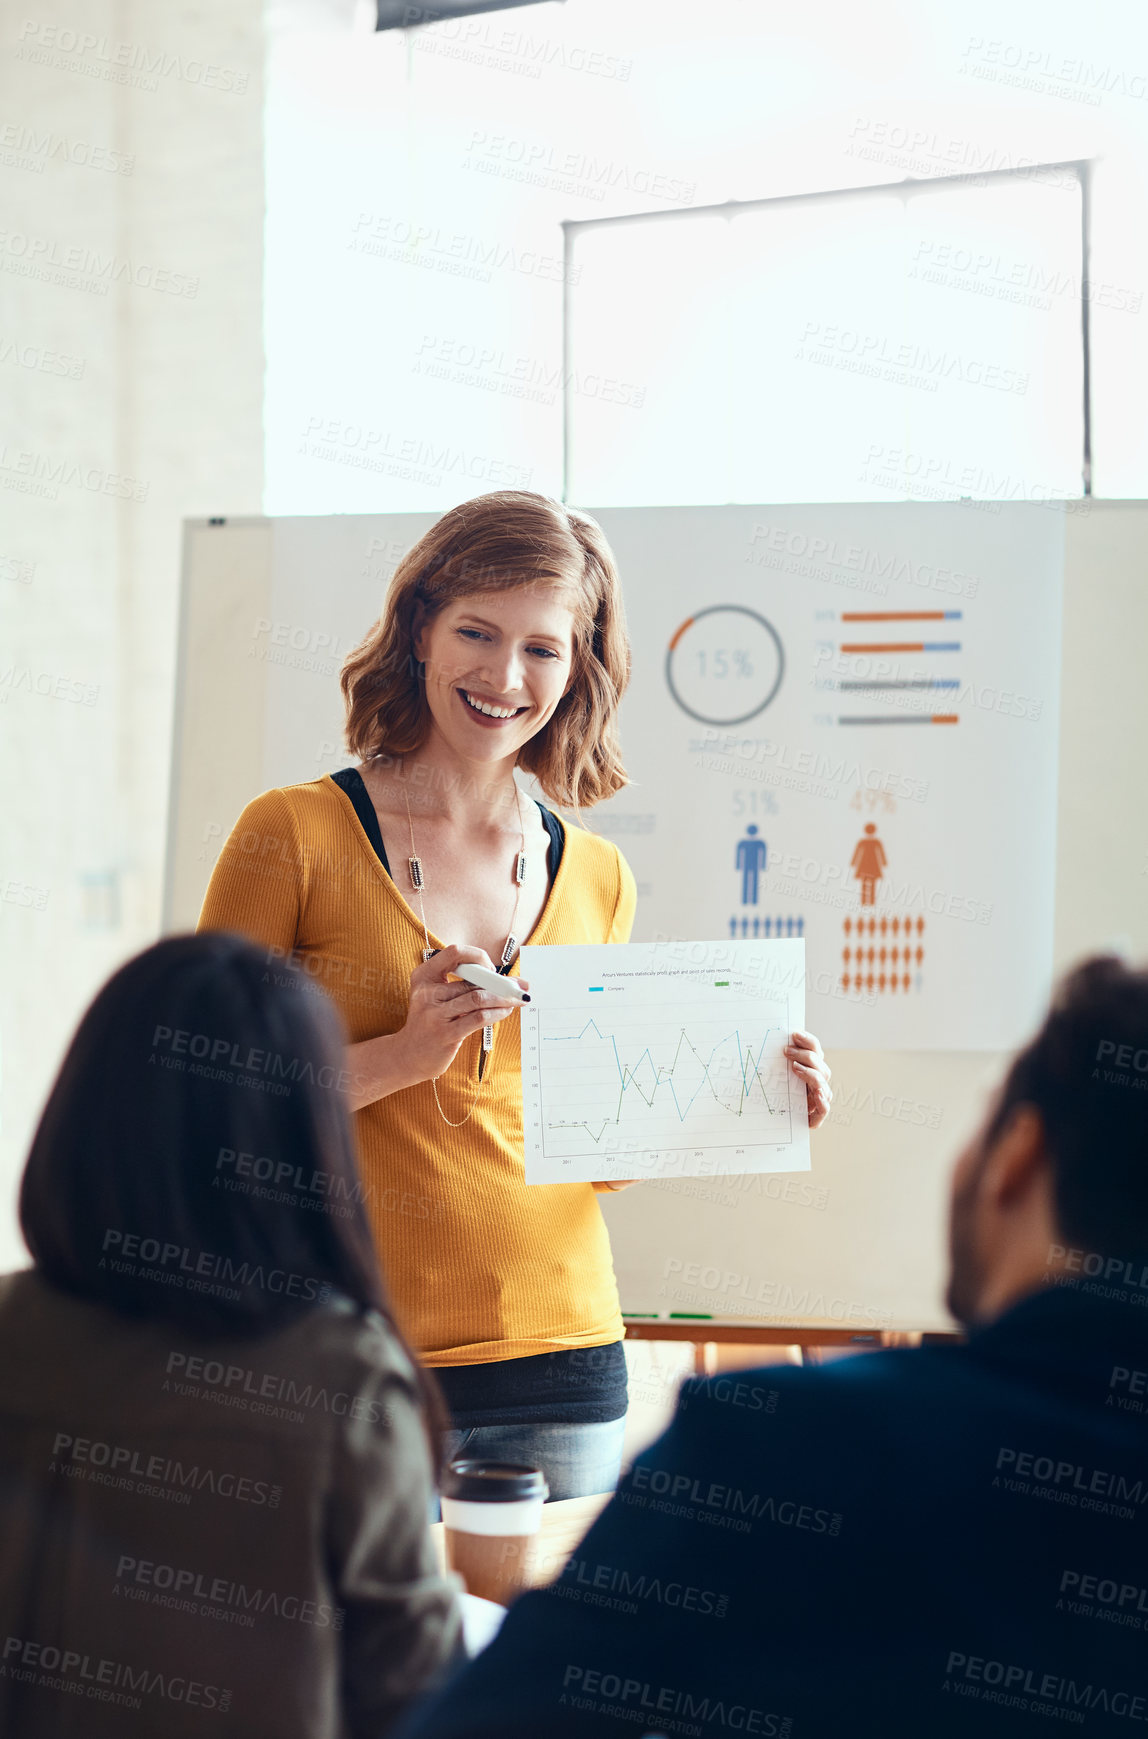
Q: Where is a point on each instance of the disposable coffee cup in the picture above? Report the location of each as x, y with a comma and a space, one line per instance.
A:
491, 1512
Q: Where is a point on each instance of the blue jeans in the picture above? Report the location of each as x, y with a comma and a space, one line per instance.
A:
578, 1460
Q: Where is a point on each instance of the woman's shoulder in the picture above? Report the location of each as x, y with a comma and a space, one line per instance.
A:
357, 1342
21, 1296
592, 851
300, 809
597, 872
94, 1371
337, 1343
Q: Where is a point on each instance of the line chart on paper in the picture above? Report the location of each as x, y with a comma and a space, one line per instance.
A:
647, 1069
688, 1081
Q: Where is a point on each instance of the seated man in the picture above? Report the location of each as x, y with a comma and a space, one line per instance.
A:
945, 1541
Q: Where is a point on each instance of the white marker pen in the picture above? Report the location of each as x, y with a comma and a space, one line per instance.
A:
498, 985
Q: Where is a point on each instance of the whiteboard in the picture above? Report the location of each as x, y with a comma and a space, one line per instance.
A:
269, 610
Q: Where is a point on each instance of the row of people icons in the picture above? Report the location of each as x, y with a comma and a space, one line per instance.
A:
882, 954
885, 925
759, 926
879, 981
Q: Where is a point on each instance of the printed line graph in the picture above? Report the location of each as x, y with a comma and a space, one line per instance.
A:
635, 1077
630, 1077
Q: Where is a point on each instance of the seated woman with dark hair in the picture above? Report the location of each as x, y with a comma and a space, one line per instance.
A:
215, 1446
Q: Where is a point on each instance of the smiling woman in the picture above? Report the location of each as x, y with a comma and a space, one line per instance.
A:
501, 645
559, 571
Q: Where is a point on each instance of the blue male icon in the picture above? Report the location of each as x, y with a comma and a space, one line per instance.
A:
751, 860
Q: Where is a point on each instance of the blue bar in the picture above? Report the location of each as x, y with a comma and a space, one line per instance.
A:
595, 987
915, 682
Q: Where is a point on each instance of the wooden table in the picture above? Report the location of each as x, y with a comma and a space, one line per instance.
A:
805, 1339
564, 1526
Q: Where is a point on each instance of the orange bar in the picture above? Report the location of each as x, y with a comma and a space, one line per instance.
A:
895, 616
945, 718
892, 646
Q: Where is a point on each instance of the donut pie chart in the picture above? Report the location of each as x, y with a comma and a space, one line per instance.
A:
724, 664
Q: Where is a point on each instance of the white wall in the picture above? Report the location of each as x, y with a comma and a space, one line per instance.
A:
417, 182
131, 157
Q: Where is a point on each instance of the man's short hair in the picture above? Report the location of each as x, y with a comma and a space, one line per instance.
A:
1086, 1071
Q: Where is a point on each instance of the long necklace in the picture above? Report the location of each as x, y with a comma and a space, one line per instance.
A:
509, 949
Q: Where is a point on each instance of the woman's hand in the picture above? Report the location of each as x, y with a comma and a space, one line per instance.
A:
444, 1011
807, 1061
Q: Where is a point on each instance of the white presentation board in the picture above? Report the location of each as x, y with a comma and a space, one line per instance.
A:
976, 833
843, 724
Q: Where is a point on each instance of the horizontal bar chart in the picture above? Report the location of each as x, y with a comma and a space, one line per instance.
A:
901, 646
916, 682
901, 615
909, 719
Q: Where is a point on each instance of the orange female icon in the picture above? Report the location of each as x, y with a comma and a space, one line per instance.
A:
868, 863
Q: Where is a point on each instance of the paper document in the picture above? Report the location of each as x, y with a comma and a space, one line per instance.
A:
649, 1059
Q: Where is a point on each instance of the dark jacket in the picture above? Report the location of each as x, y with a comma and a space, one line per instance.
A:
210, 1536
937, 1542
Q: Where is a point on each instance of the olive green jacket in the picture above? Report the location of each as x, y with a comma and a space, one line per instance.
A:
208, 1536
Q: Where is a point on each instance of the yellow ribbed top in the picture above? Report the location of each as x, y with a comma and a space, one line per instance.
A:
479, 1267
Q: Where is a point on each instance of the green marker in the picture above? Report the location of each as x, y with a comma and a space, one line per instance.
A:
721, 983
690, 1316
